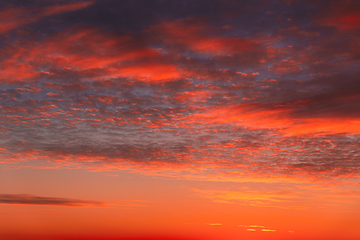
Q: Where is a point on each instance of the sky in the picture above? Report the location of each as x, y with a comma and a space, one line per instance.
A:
180, 119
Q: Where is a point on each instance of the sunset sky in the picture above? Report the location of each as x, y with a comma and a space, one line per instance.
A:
180, 120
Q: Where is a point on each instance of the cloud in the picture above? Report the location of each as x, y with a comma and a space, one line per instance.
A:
214, 224
281, 118
12, 18
251, 197
342, 15
75, 53
190, 94
194, 35
254, 228
285, 67
45, 201
178, 138
299, 195
57, 9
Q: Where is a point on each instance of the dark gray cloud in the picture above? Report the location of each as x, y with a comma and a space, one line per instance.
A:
45, 201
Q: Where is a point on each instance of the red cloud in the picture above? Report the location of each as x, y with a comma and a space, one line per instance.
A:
345, 15
51, 10
149, 72
192, 97
13, 18
257, 116
285, 67
186, 126
88, 53
196, 36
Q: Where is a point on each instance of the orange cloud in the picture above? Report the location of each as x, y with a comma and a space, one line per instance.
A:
257, 116
149, 72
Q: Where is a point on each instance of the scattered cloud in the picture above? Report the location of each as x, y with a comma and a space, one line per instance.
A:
214, 224
183, 94
254, 228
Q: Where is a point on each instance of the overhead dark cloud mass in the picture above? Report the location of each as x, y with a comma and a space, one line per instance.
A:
182, 84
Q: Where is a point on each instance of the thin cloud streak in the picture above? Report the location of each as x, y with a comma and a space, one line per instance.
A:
25, 199
13, 18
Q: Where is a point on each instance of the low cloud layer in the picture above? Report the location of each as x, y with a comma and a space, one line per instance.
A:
45, 201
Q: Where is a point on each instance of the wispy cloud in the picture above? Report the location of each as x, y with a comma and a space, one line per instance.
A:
254, 228
12, 18
214, 224
293, 196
